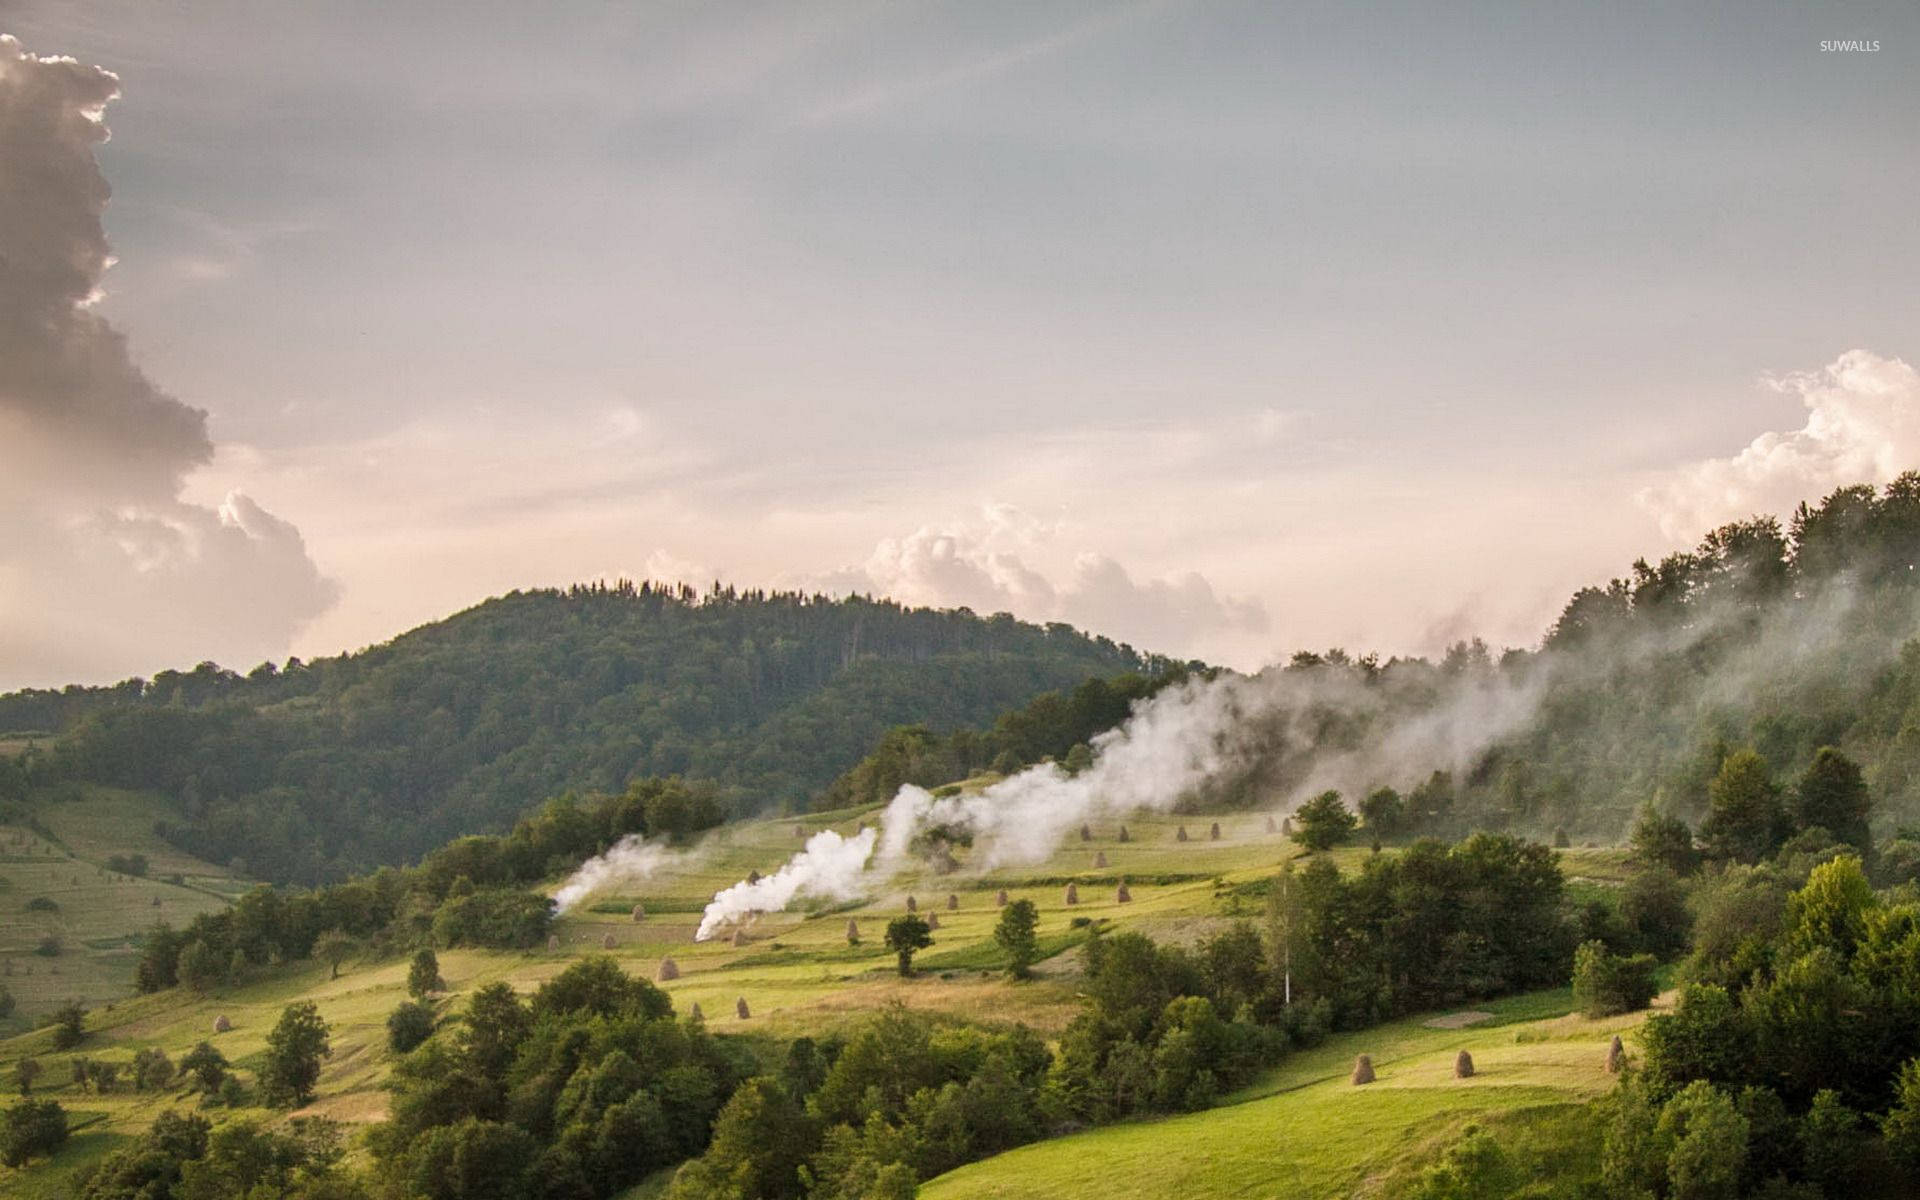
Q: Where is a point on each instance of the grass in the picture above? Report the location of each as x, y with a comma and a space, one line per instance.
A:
1304, 1131
798, 975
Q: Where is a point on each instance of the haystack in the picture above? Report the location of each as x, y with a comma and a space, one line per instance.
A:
1100, 858
1180, 834
1000, 898
1616, 1056
740, 1008
739, 938
753, 877
1271, 827
953, 902
1362, 1070
800, 831
853, 932
553, 942
912, 904
1463, 1066
1086, 833
1073, 894
933, 921
606, 941
222, 1025
1122, 895
1286, 826
696, 1014
668, 972
639, 913
1213, 834
1124, 835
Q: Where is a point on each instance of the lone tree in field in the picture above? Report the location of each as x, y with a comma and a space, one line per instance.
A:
294, 1050
69, 1025
423, 976
1323, 822
905, 936
1016, 935
25, 1072
206, 1066
334, 948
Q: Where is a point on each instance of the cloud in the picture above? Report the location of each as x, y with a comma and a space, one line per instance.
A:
985, 566
106, 570
1863, 426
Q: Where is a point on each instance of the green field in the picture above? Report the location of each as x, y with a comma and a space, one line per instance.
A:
796, 973
99, 916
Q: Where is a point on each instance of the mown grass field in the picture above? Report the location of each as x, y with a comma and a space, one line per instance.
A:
797, 973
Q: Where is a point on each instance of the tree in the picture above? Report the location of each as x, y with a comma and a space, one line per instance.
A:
905, 935
409, 1024
1743, 816
69, 1025
1323, 822
497, 1023
1015, 935
1901, 1126
1383, 811
333, 948
29, 1129
1660, 840
1709, 1140
1605, 984
472, 1160
294, 1050
26, 1071
152, 1069
1833, 795
198, 966
207, 1066
423, 976
1654, 906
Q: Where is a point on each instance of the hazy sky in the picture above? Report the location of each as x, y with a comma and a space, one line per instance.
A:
1222, 328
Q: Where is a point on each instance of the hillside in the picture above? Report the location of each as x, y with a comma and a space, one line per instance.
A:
320, 769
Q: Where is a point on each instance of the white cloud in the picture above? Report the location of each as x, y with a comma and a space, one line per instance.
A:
106, 571
1863, 426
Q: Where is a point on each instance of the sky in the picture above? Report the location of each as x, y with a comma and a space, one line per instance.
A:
1224, 329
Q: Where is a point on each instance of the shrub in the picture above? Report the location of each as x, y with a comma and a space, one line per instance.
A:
408, 1025
1605, 984
30, 1129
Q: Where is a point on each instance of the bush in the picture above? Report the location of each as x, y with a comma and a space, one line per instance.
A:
30, 1129
408, 1025
1605, 984
69, 1025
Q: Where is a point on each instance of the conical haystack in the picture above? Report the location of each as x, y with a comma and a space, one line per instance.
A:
222, 1025
1180, 834
1616, 1056
1362, 1070
606, 941
1100, 858
753, 877
553, 942
1000, 898
933, 921
1086, 833
1271, 827
739, 938
1073, 894
1286, 826
740, 1008
1121, 895
668, 972
696, 1014
639, 913
1463, 1066
953, 902
800, 831
1124, 835
912, 904
1213, 834
853, 932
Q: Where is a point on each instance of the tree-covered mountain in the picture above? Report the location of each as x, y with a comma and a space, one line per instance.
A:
316, 769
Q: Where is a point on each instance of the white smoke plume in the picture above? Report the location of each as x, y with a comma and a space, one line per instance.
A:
632, 860
1179, 740
830, 867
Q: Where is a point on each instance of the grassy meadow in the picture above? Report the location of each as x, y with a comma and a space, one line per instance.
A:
796, 972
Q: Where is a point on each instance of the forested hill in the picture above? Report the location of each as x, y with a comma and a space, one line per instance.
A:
321, 768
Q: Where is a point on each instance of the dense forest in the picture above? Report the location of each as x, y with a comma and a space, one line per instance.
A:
314, 770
